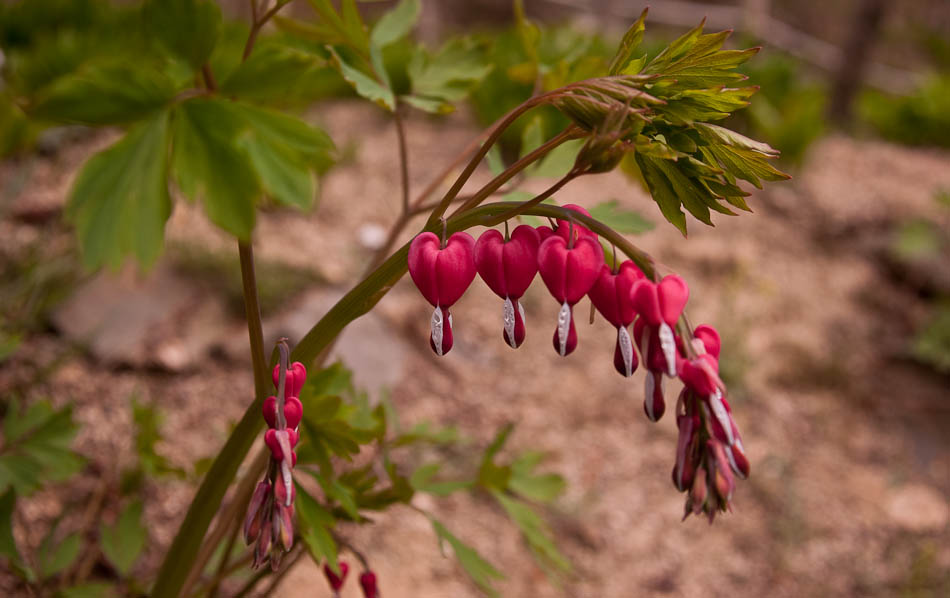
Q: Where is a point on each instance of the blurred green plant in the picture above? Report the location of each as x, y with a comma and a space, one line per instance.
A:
922, 118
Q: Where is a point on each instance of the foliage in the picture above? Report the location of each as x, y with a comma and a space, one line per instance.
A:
922, 118
36, 446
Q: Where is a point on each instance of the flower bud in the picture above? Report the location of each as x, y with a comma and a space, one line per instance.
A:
336, 581
294, 380
280, 493
255, 512
284, 525
262, 549
293, 411
368, 583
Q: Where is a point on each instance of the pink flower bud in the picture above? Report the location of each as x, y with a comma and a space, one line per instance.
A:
565, 227
293, 383
284, 525
336, 581
737, 459
262, 549
686, 452
293, 411
280, 493
255, 512
368, 583
724, 481
701, 375
696, 500
276, 439
710, 339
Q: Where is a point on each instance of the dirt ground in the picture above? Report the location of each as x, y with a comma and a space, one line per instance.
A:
848, 439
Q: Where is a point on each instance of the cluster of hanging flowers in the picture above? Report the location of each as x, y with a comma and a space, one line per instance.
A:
270, 513
570, 260
337, 581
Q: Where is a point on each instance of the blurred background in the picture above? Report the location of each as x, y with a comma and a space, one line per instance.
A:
833, 300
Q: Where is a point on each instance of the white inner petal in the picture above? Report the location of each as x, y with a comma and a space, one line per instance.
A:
288, 480
626, 349
668, 344
436, 325
563, 327
508, 317
648, 386
719, 410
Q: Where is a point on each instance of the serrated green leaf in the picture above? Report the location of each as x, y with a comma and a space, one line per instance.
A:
119, 203
333, 380
60, 557
340, 493
286, 154
316, 523
122, 542
623, 220
395, 24
209, 165
542, 488
105, 94
450, 74
186, 28
272, 74
363, 84
535, 532
37, 447
430, 105
354, 26
628, 46
478, 569
662, 192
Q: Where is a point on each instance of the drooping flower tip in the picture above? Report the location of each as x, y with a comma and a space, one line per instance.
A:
336, 581
368, 583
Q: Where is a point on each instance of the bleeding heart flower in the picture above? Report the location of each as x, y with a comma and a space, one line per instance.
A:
508, 267
442, 275
611, 296
336, 581
660, 306
293, 411
654, 359
569, 272
293, 383
368, 583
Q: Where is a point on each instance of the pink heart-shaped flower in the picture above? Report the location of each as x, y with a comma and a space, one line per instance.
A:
569, 273
296, 376
273, 443
565, 227
508, 267
660, 303
611, 293
442, 275
710, 339
293, 411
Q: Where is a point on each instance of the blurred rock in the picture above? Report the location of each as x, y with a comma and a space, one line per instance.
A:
919, 508
127, 319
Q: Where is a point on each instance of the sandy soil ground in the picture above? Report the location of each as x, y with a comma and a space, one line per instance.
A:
848, 439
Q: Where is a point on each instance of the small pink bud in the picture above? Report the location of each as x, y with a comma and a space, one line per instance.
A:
275, 440
293, 411
255, 512
701, 375
710, 339
737, 459
293, 383
262, 549
336, 581
368, 583
284, 525
564, 227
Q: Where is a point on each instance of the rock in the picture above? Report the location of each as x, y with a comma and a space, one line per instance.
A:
918, 508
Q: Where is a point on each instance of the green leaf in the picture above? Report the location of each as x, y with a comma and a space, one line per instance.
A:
61, 557
661, 191
272, 74
122, 542
542, 488
119, 203
395, 24
426, 432
186, 28
209, 165
340, 493
535, 532
364, 85
316, 523
285, 152
422, 480
353, 25
105, 94
491, 475
37, 447
483, 573
449, 75
147, 421
623, 220
7, 543
628, 46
